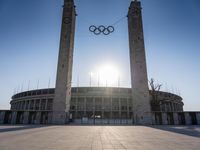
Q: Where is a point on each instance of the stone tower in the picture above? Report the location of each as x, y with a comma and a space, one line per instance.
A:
61, 104
139, 80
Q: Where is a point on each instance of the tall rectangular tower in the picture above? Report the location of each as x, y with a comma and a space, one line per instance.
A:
61, 104
139, 80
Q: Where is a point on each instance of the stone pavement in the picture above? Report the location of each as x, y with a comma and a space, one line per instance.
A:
99, 137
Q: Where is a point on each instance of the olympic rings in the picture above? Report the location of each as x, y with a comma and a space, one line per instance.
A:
101, 29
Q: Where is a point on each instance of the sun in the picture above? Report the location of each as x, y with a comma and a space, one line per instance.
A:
108, 75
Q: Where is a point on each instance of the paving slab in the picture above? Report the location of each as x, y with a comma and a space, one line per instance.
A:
99, 137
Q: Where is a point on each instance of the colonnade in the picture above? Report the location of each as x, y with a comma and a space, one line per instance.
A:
33, 104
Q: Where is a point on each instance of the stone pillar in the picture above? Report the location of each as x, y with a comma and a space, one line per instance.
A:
128, 113
76, 108
165, 107
139, 81
153, 118
26, 117
26, 105
93, 110
172, 108
172, 105
2, 116
40, 103
164, 118
187, 118
120, 111
34, 104
14, 117
111, 111
168, 107
175, 116
84, 106
49, 117
61, 103
46, 103
29, 104
198, 118
19, 106
102, 108
38, 117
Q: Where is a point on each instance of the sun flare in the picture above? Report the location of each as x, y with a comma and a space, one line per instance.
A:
107, 75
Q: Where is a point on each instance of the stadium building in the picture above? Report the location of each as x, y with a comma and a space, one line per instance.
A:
99, 105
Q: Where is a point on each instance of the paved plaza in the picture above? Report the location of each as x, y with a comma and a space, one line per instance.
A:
99, 137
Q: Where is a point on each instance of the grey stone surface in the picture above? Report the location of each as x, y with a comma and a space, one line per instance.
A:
14, 116
198, 118
2, 115
139, 80
61, 103
99, 137
175, 116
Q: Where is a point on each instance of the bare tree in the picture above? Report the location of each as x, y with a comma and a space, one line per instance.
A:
155, 88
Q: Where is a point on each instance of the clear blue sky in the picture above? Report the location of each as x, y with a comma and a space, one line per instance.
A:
30, 32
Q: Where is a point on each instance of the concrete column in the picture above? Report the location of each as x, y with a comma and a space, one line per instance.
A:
175, 116
25, 105
84, 106
29, 104
38, 117
76, 107
170, 106
102, 108
128, 113
46, 102
14, 117
2, 116
61, 103
34, 104
26, 116
174, 104
49, 117
19, 106
24, 102
198, 118
111, 111
177, 107
120, 111
94, 110
173, 107
139, 80
187, 118
40, 103
153, 118
164, 118
165, 107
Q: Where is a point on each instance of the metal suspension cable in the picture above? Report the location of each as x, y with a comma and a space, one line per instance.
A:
118, 21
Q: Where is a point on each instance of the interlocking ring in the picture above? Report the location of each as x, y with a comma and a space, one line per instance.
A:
101, 29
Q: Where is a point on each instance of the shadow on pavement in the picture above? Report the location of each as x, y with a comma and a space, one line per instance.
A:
185, 130
11, 128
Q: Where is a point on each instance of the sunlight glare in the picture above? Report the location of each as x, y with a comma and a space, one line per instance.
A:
108, 74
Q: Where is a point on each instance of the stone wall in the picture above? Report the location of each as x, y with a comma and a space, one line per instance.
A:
176, 118
45, 117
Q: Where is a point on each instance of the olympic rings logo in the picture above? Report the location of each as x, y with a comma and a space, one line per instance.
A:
101, 29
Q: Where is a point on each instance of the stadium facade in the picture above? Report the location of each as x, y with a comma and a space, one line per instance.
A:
99, 105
